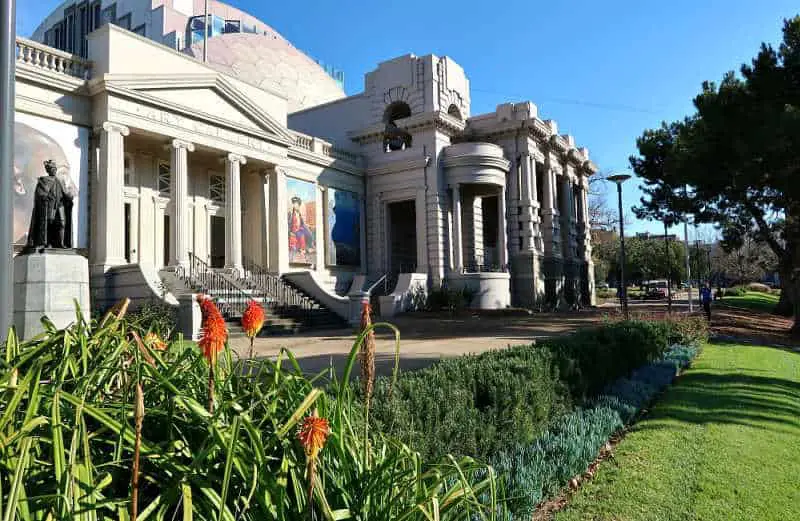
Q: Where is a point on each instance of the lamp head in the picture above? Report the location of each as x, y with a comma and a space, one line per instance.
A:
619, 178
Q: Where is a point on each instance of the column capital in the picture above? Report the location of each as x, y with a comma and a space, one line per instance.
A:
109, 126
179, 143
236, 158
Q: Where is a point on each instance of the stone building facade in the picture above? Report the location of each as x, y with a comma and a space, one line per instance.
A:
192, 172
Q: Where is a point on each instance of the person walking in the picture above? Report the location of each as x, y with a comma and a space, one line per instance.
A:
705, 299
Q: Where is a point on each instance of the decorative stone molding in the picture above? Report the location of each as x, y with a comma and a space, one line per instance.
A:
109, 126
179, 143
236, 158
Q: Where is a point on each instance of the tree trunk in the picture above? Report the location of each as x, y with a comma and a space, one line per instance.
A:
784, 307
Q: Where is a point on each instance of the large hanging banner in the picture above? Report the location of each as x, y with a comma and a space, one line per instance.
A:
343, 235
35, 141
302, 221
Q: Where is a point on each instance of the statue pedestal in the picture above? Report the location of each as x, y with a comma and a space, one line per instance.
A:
49, 282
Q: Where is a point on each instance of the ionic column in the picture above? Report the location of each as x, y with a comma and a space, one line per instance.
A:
179, 189
109, 245
362, 235
526, 205
233, 212
502, 245
458, 254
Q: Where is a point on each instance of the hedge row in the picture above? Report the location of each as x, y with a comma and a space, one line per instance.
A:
536, 471
482, 404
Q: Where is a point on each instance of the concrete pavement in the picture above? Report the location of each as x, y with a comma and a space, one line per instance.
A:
424, 338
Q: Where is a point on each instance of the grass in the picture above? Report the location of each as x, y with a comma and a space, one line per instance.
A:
754, 300
722, 444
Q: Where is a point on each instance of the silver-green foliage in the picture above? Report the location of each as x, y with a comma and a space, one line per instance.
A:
533, 472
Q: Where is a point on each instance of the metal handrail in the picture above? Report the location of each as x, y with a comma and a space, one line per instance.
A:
230, 299
277, 293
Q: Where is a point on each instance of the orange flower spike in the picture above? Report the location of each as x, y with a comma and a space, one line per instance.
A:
215, 332
313, 434
253, 319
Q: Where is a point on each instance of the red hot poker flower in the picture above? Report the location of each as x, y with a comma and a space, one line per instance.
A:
215, 332
253, 319
313, 434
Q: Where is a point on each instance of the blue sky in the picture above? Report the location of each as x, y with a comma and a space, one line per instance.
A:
604, 71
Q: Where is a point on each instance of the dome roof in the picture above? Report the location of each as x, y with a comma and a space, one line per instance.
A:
271, 62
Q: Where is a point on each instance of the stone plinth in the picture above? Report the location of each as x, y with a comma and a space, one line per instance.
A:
49, 284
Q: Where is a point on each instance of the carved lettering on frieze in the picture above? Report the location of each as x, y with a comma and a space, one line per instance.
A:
198, 127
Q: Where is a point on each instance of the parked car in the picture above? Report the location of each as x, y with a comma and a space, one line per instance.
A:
655, 289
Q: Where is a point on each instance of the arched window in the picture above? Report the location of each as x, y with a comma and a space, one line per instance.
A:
395, 138
396, 110
453, 111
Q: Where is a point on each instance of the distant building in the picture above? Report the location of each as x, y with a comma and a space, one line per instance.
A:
655, 236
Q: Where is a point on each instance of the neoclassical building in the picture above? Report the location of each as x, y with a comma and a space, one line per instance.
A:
215, 176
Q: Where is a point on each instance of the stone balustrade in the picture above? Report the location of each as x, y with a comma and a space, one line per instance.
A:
303, 141
47, 58
318, 146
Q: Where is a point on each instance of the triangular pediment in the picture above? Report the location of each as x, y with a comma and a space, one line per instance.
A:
212, 97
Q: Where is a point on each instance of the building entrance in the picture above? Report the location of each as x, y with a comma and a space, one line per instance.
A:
217, 242
403, 237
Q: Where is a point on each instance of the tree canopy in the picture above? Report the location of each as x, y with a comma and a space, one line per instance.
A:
734, 162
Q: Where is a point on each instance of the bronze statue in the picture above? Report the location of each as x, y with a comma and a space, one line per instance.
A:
52, 212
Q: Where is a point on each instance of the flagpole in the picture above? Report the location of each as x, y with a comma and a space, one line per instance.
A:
205, 34
7, 69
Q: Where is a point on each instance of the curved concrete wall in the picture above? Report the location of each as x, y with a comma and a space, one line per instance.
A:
492, 290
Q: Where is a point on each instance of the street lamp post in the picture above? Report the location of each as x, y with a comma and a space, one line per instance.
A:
623, 295
7, 69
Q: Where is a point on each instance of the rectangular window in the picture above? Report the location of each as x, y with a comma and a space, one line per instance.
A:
233, 26
109, 15
164, 179
140, 30
125, 22
97, 19
128, 175
216, 189
70, 43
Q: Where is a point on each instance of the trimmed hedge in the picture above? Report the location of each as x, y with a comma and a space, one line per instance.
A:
479, 405
472, 405
535, 471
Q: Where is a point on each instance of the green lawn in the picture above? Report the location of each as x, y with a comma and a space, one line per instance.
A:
753, 300
722, 444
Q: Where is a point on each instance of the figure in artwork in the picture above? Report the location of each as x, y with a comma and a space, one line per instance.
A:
300, 235
51, 222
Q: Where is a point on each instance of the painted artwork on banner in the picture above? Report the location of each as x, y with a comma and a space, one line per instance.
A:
344, 228
35, 141
302, 221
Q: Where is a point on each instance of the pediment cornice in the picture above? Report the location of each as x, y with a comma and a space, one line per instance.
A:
137, 87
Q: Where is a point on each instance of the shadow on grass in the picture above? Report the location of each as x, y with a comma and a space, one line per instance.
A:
730, 397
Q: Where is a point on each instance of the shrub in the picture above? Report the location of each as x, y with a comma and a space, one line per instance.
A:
476, 405
154, 316
533, 472
471, 405
453, 300
758, 287
736, 291
591, 358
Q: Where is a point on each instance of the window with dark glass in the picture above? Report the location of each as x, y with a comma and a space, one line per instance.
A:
233, 26
125, 22
140, 30
70, 33
96, 16
109, 15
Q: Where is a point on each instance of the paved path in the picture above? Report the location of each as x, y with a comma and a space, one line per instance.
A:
424, 338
